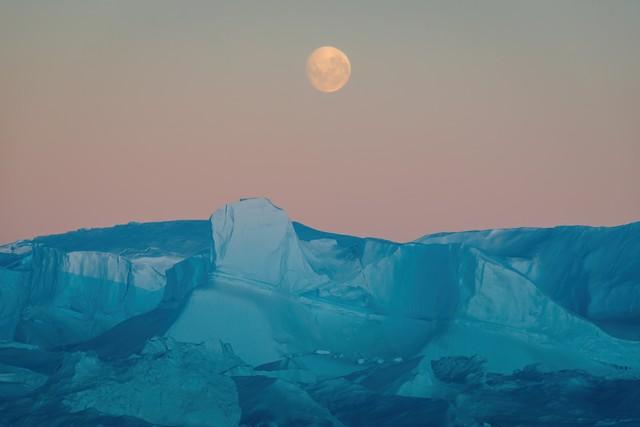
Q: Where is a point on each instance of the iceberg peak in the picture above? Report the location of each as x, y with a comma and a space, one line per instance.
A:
258, 230
264, 201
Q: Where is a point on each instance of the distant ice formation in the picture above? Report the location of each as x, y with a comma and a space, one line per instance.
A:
250, 318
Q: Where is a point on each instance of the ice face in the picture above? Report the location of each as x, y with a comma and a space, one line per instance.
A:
257, 230
592, 271
64, 289
13, 294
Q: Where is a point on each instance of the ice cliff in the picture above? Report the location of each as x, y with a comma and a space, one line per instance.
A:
592, 271
68, 288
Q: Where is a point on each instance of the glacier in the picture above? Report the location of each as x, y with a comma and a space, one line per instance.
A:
250, 318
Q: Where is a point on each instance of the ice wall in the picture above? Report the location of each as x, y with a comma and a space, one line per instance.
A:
593, 271
64, 289
256, 240
469, 299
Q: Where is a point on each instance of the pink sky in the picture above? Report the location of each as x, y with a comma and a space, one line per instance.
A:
454, 117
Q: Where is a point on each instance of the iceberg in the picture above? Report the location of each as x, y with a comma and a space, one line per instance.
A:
592, 271
255, 229
251, 318
69, 288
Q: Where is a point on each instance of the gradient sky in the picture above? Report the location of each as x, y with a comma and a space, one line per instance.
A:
458, 115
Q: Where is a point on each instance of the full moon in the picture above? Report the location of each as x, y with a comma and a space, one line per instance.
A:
328, 69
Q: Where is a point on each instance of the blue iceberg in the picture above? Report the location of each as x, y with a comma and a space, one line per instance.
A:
253, 319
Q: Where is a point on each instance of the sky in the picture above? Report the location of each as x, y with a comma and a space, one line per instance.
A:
458, 115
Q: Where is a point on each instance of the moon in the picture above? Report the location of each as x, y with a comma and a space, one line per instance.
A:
328, 69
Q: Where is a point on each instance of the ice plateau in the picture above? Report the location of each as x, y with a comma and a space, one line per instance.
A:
253, 319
